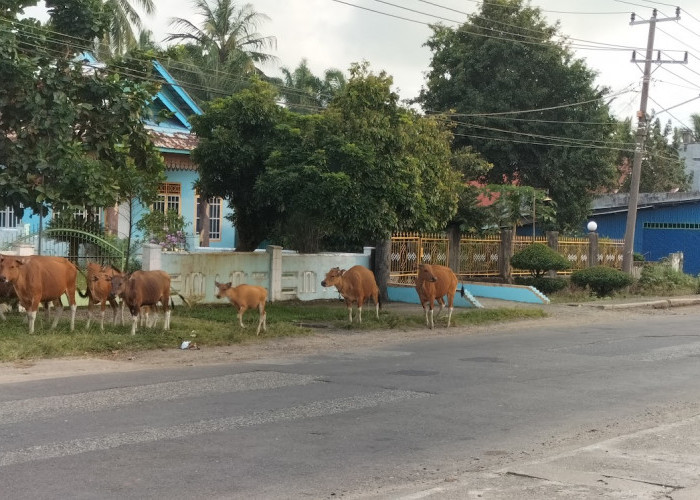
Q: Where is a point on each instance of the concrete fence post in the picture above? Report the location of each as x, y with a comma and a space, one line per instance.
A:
151, 257
275, 253
592, 249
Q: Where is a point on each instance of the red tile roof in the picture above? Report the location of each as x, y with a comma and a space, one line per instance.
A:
174, 140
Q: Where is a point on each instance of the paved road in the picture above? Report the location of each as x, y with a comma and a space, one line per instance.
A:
597, 410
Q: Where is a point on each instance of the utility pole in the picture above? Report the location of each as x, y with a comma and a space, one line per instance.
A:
628, 249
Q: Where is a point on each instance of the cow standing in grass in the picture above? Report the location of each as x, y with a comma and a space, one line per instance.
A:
244, 297
38, 279
144, 288
356, 285
432, 284
99, 291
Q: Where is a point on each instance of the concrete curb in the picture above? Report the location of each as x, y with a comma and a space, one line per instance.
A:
656, 304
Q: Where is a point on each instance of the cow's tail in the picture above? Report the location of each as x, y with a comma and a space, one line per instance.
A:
462, 291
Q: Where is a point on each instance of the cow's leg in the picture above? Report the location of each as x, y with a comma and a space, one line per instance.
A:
166, 325
2, 314
31, 316
134, 320
441, 303
349, 304
450, 304
103, 306
89, 313
261, 321
241, 310
263, 315
359, 311
58, 305
432, 322
73, 309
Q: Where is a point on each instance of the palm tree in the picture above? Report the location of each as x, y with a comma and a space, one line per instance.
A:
225, 47
304, 92
125, 24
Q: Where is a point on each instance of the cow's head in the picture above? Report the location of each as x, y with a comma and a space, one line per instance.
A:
221, 289
333, 276
10, 268
118, 282
425, 273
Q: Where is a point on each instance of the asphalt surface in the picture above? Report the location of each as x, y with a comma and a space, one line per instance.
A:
606, 409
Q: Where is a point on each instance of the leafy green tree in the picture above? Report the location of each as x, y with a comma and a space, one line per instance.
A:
505, 59
366, 167
237, 135
663, 169
71, 136
695, 118
355, 173
216, 58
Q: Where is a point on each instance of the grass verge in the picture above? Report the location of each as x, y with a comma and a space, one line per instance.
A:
215, 325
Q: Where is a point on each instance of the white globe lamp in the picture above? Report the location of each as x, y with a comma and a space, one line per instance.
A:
592, 226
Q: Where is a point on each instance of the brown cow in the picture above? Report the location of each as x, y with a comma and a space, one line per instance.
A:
144, 288
244, 297
99, 291
432, 284
39, 279
357, 284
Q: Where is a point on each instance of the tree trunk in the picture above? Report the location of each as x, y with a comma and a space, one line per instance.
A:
382, 268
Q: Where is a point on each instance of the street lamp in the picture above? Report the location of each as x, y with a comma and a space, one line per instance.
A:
592, 226
534, 200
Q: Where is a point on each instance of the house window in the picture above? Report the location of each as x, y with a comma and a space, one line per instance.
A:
215, 217
8, 219
168, 198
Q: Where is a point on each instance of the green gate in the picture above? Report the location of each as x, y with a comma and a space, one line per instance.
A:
78, 246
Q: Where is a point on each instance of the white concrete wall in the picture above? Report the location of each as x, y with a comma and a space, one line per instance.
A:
286, 275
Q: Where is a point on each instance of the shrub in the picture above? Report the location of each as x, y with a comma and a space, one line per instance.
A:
601, 280
663, 278
543, 284
538, 259
638, 257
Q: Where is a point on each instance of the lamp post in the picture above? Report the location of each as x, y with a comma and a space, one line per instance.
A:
534, 204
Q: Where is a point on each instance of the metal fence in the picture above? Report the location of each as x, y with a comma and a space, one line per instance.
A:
78, 246
479, 256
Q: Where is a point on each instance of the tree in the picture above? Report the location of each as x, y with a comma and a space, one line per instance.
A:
366, 167
306, 93
225, 48
362, 169
71, 135
695, 117
663, 170
237, 135
505, 59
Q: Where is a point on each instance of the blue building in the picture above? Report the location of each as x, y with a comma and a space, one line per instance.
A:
666, 223
175, 141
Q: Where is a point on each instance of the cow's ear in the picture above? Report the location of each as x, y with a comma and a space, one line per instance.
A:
216, 283
228, 285
342, 271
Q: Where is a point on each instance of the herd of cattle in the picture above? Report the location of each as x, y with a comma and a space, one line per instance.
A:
35, 280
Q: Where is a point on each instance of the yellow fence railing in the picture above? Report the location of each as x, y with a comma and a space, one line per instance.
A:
479, 256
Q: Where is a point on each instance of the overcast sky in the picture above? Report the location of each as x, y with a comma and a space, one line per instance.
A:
335, 33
